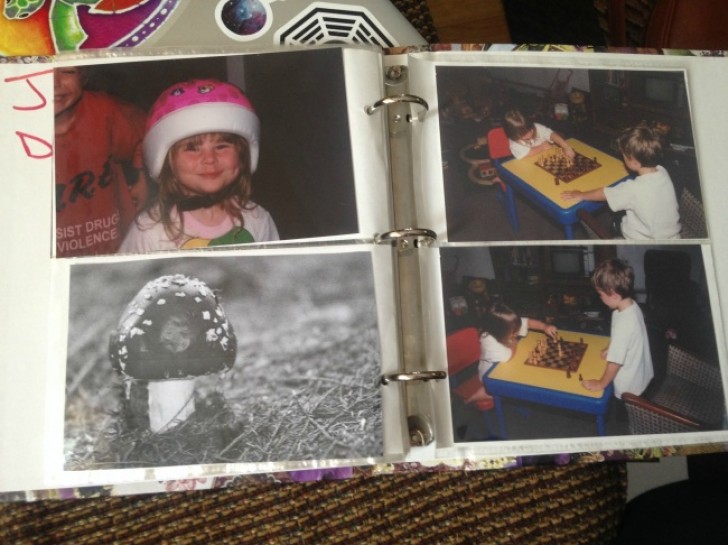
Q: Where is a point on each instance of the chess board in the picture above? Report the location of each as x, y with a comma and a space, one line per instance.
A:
566, 170
546, 355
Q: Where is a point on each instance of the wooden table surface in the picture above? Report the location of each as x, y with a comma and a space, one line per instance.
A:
470, 21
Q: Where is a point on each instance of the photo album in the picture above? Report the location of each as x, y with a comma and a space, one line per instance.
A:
341, 258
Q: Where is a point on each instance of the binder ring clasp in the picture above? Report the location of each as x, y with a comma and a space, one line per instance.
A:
395, 99
421, 237
413, 376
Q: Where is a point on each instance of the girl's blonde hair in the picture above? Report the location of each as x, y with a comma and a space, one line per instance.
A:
234, 198
516, 125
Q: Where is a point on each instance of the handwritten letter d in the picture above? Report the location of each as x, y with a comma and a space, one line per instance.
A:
35, 147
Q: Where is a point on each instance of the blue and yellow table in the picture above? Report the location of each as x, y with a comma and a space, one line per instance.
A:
515, 379
538, 186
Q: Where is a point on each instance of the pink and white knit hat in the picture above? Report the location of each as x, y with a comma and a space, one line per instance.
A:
196, 107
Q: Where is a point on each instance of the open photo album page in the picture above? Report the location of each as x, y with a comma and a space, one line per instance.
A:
261, 343
576, 269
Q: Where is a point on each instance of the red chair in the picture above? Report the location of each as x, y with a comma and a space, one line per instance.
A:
498, 149
463, 354
498, 146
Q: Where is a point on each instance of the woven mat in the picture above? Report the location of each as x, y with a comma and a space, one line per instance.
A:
574, 504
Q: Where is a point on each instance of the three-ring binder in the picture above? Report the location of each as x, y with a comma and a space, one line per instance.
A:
420, 429
409, 108
405, 98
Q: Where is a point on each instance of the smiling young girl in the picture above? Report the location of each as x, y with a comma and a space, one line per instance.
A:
201, 146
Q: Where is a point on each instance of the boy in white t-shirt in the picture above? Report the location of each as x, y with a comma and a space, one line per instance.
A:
629, 362
648, 200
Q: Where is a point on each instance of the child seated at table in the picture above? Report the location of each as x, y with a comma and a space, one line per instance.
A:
629, 362
500, 329
648, 200
526, 138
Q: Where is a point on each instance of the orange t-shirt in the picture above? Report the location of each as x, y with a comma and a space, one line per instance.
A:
95, 162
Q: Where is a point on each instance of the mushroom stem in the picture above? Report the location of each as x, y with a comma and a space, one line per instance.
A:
171, 402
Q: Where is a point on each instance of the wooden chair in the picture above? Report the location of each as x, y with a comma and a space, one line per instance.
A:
463, 355
498, 149
689, 398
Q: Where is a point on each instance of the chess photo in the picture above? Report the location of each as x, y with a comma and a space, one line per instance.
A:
515, 138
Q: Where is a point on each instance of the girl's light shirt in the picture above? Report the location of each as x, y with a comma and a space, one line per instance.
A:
147, 235
492, 351
543, 134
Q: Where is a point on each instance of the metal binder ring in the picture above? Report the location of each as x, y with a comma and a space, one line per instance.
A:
412, 99
421, 237
413, 376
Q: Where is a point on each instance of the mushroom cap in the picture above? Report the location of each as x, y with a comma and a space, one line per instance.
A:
174, 328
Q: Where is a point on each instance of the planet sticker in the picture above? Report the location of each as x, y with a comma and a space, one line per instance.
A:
244, 20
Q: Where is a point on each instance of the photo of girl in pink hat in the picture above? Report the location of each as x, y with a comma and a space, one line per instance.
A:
230, 149
201, 147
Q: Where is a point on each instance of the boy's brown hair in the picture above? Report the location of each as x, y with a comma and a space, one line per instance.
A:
614, 276
515, 124
641, 143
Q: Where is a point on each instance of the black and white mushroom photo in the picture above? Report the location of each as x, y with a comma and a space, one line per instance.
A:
224, 359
